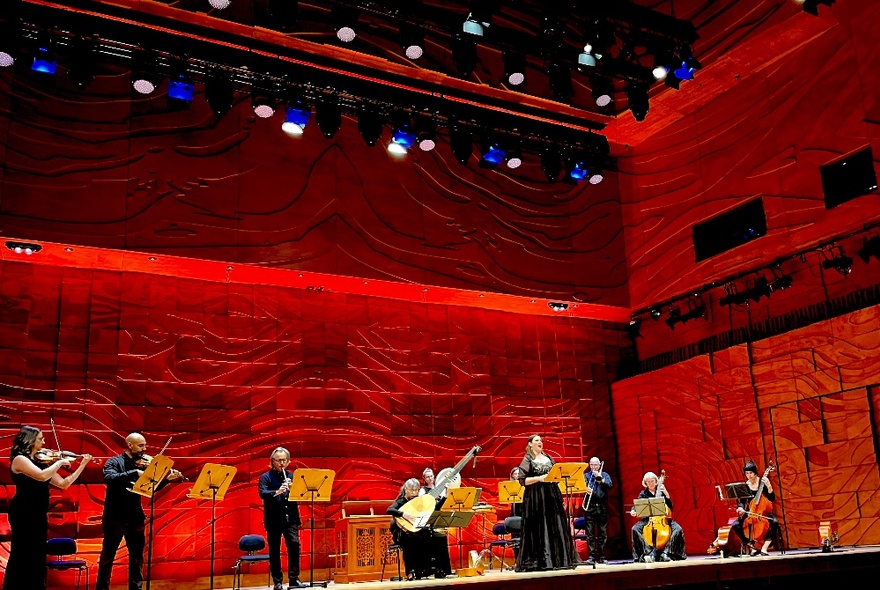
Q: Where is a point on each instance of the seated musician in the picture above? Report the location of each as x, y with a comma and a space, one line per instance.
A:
428, 478
753, 482
425, 552
643, 550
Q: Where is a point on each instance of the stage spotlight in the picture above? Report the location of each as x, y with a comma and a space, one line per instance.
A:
781, 281
264, 100
491, 153
473, 27
296, 117
219, 91
328, 115
82, 61
841, 263
602, 90
870, 247
345, 22
370, 124
655, 312
462, 144
576, 169
637, 95
551, 164
412, 38
220, 4
144, 78
812, 6
587, 59
557, 306
26, 248
761, 288
687, 68
44, 58
514, 67
9, 40
514, 156
634, 330
427, 134
674, 318
403, 135
734, 297
464, 55
180, 88
560, 81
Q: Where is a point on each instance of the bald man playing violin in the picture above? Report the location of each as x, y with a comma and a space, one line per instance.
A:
123, 516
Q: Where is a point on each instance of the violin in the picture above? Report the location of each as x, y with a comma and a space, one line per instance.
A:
51, 456
144, 460
658, 530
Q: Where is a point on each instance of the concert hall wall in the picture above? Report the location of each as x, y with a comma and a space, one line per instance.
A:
374, 389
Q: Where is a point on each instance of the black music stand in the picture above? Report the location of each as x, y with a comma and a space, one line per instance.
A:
737, 491
212, 484
456, 512
648, 508
146, 485
314, 485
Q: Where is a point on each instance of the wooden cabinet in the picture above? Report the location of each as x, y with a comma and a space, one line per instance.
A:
362, 540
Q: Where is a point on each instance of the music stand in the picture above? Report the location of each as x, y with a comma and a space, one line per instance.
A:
146, 485
212, 484
650, 507
457, 512
314, 485
737, 491
510, 492
571, 480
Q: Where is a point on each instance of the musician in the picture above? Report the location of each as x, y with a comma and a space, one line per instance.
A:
123, 516
596, 510
425, 552
281, 518
642, 550
546, 536
29, 508
428, 478
753, 481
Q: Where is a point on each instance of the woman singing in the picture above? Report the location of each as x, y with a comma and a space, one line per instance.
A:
29, 508
546, 536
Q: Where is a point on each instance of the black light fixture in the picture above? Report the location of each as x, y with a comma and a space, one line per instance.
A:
602, 89
219, 4
461, 142
9, 37
181, 88
514, 153
634, 329
637, 95
673, 318
870, 247
841, 263
412, 38
560, 81
781, 281
514, 66
734, 297
264, 99
371, 122
812, 6
655, 312
557, 306
82, 61
44, 60
26, 248
297, 114
345, 22
144, 71
492, 152
219, 91
551, 163
403, 134
426, 128
464, 55
328, 114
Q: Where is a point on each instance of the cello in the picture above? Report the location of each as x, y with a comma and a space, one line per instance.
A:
657, 531
756, 521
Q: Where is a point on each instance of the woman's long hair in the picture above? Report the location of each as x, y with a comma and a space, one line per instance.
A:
24, 442
529, 446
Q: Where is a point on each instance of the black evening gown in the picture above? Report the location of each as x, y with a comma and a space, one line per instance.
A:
546, 536
29, 520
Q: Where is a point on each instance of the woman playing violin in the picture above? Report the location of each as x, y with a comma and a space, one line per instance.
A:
674, 549
29, 508
745, 510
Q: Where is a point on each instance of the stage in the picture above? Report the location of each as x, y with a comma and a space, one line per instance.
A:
809, 568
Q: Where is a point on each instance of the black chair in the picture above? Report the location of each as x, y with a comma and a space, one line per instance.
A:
250, 544
505, 532
393, 549
60, 548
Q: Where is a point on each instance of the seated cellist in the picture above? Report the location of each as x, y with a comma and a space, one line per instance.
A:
747, 513
674, 547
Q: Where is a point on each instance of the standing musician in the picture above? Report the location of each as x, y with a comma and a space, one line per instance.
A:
425, 552
753, 482
596, 510
32, 472
428, 478
123, 515
281, 519
642, 549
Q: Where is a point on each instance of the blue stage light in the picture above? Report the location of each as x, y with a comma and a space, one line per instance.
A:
685, 72
181, 88
494, 155
44, 62
578, 171
402, 139
296, 119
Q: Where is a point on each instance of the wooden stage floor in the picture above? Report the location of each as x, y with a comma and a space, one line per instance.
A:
845, 567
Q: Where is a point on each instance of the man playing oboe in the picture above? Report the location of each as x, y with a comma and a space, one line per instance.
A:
281, 519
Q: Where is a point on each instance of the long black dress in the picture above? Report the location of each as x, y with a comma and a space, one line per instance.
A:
29, 520
546, 535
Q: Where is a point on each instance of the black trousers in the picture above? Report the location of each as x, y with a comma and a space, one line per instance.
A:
114, 532
596, 529
290, 532
772, 530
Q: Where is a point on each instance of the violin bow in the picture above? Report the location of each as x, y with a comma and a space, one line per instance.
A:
55, 434
167, 442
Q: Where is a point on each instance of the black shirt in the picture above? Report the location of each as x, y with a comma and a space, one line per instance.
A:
120, 473
276, 509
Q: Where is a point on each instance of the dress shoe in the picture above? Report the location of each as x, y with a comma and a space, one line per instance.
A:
590, 561
296, 583
663, 557
278, 586
602, 560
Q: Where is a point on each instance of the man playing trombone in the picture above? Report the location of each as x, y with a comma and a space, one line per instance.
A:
281, 519
596, 510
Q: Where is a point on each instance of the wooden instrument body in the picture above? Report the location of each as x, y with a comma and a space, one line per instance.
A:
756, 522
720, 542
658, 530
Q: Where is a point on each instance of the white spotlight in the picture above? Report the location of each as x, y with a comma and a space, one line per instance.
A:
220, 4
